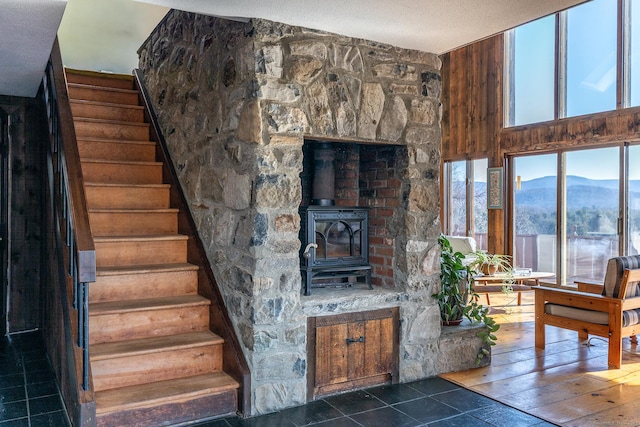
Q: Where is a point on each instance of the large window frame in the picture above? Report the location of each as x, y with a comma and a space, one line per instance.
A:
623, 49
624, 227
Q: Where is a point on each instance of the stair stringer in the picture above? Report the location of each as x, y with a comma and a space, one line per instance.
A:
220, 323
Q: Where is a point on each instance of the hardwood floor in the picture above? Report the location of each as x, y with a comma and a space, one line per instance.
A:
567, 384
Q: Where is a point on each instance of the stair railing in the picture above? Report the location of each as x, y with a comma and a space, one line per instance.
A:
69, 201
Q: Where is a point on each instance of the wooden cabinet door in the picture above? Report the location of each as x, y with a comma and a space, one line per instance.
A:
331, 354
353, 350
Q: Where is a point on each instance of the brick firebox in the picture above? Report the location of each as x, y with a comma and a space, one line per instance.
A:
368, 176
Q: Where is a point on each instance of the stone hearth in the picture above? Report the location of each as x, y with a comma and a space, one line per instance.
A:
236, 101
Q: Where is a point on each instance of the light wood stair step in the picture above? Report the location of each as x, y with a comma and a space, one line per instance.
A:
121, 172
107, 111
94, 78
144, 269
110, 129
128, 222
133, 362
102, 94
114, 196
160, 392
116, 149
139, 281
153, 345
125, 306
143, 318
138, 250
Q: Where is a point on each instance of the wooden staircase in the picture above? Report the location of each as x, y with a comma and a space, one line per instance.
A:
154, 360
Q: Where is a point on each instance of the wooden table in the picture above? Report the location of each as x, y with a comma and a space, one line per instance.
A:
518, 283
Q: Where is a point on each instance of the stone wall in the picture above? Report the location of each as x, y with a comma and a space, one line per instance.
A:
236, 102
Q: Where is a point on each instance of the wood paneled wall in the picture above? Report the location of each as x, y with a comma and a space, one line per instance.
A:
472, 100
472, 121
26, 234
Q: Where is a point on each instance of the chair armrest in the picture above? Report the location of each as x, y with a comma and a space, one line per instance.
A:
592, 287
576, 299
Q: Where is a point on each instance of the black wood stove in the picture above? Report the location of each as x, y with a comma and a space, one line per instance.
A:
335, 239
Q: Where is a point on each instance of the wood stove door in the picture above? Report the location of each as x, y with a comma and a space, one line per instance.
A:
338, 239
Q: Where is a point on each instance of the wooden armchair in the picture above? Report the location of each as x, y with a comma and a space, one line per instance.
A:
614, 315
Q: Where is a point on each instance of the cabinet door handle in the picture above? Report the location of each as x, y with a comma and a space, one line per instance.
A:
352, 340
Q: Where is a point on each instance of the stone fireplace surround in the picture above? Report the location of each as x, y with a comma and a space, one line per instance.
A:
236, 102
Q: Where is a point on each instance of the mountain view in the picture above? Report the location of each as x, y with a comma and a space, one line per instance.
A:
581, 193
592, 205
540, 193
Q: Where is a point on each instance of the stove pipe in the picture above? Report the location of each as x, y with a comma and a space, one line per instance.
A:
324, 174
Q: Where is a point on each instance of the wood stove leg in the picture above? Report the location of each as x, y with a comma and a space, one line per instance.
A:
369, 279
307, 282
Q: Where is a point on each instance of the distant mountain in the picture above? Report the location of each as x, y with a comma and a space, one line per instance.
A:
581, 193
550, 182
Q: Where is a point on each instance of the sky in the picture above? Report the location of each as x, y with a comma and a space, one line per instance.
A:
591, 62
591, 82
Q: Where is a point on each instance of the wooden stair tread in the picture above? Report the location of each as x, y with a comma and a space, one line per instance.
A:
152, 345
150, 238
157, 393
143, 269
115, 141
128, 306
100, 88
136, 210
120, 162
114, 79
106, 104
115, 185
110, 122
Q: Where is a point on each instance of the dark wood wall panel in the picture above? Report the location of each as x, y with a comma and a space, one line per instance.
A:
472, 99
26, 233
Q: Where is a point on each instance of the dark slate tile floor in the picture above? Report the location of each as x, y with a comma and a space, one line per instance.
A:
29, 397
429, 402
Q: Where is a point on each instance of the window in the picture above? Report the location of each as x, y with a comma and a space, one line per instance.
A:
535, 212
633, 202
533, 51
591, 38
632, 51
567, 209
465, 203
566, 65
457, 198
590, 212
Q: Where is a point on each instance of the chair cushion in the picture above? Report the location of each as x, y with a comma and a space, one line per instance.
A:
629, 317
613, 276
463, 244
598, 317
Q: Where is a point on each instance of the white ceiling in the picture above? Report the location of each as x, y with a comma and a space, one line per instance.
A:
28, 27
27, 31
435, 26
